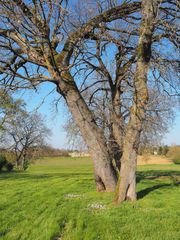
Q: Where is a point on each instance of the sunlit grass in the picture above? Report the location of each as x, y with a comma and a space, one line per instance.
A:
53, 200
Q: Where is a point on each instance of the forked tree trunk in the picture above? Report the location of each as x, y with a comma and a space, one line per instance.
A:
105, 176
126, 188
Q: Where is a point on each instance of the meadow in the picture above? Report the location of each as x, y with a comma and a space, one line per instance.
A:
56, 200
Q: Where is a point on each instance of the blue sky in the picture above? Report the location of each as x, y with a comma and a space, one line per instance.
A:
56, 118
173, 136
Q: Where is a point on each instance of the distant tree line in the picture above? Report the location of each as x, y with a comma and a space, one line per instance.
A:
47, 151
154, 150
8, 157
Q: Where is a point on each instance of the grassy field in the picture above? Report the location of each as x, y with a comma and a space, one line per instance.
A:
56, 199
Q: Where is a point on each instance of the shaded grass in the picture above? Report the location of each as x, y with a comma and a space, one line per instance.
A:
34, 205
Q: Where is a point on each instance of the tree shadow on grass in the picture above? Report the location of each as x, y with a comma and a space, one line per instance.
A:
173, 176
155, 174
144, 192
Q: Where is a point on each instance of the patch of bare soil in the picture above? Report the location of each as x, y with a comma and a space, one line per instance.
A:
150, 159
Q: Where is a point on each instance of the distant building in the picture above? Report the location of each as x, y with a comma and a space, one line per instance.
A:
79, 154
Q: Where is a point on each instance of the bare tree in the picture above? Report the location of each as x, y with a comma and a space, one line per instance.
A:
32, 34
45, 42
23, 132
141, 65
73, 135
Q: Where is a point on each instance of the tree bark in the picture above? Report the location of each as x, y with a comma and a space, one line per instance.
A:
105, 176
126, 188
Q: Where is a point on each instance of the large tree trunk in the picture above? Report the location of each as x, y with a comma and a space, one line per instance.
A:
105, 176
126, 188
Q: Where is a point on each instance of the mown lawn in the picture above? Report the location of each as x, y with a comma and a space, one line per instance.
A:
56, 199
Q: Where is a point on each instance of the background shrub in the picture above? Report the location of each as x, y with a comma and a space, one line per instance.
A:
3, 161
174, 154
9, 166
176, 160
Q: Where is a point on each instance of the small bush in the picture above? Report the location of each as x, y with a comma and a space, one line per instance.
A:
174, 154
176, 161
9, 166
3, 161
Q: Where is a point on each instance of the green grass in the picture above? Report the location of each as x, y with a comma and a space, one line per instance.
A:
35, 206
